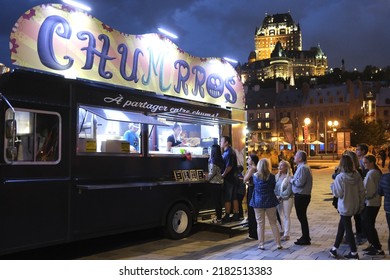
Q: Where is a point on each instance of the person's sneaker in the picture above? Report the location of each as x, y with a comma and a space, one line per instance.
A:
285, 238
302, 242
235, 217
369, 248
351, 257
333, 253
375, 253
226, 219
216, 221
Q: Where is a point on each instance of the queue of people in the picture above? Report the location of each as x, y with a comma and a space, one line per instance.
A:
358, 186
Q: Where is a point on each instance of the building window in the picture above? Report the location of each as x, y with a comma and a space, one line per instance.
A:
251, 116
386, 112
258, 115
321, 100
267, 115
268, 125
259, 126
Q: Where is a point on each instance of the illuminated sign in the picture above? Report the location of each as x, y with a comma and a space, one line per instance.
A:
59, 39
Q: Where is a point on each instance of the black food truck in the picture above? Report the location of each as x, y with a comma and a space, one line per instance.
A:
85, 116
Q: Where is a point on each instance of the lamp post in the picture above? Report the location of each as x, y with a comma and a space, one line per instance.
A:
307, 122
333, 128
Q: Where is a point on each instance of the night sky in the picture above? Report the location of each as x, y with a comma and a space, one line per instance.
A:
353, 30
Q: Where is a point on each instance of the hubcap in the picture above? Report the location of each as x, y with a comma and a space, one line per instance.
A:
180, 221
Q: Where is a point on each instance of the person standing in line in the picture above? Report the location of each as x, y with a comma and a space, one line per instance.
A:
361, 151
384, 190
229, 174
241, 189
292, 163
283, 191
348, 188
373, 203
264, 202
281, 156
302, 184
216, 164
360, 234
383, 155
252, 162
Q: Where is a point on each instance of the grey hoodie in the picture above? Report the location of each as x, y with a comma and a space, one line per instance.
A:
349, 188
371, 183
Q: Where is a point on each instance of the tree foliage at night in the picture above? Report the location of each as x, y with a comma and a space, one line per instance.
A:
370, 133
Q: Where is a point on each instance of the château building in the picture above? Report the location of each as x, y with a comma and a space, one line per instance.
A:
278, 52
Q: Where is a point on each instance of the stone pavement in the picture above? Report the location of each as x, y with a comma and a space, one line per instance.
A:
202, 245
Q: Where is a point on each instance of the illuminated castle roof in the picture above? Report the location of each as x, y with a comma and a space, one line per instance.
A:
271, 22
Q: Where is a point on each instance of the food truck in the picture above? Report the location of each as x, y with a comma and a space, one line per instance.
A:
75, 88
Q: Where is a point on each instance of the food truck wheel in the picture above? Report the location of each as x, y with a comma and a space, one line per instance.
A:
179, 221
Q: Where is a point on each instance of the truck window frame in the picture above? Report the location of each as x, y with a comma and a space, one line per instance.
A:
53, 138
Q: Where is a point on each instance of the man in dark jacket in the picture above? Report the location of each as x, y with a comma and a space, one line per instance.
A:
229, 175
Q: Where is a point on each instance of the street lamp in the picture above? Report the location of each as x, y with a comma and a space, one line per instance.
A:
333, 126
307, 122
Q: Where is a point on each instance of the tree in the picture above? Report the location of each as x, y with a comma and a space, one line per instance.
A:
371, 133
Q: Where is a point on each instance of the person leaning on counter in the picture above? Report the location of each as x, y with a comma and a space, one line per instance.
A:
175, 139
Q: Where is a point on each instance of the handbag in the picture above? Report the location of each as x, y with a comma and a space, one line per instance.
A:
335, 200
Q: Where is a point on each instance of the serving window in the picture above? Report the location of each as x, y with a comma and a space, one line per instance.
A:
182, 138
109, 131
36, 137
104, 130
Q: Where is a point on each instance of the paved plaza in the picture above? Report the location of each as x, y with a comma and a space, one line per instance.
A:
206, 244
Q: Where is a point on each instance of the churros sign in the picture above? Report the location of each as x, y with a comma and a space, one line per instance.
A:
60, 39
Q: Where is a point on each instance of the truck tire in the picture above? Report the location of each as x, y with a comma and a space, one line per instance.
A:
179, 222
